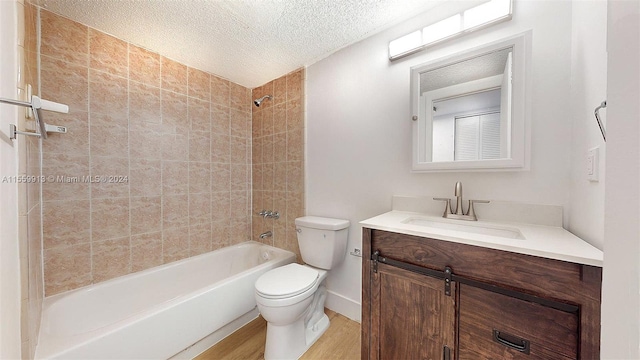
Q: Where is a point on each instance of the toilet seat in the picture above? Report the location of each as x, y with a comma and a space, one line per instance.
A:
286, 281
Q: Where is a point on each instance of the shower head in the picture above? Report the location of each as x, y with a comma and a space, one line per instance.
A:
259, 101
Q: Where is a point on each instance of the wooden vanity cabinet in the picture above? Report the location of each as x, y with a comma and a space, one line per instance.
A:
430, 299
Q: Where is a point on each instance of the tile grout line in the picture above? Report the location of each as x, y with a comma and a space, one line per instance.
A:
188, 165
129, 154
40, 149
89, 118
163, 198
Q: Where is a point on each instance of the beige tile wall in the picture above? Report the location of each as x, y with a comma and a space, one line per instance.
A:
180, 136
278, 159
30, 226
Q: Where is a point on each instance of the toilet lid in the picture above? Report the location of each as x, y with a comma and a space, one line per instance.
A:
286, 281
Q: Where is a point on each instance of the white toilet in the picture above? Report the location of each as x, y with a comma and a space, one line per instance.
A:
291, 297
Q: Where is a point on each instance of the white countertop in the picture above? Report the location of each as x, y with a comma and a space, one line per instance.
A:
544, 241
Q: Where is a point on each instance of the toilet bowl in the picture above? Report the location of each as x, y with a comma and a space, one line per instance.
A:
291, 298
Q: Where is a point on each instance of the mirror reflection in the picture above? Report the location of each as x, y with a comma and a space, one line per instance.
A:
470, 111
467, 108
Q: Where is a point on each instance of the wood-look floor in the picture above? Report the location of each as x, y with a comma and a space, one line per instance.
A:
340, 341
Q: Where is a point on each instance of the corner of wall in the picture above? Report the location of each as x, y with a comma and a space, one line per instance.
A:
585, 214
10, 340
278, 161
621, 269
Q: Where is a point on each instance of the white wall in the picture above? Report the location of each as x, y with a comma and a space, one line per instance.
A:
588, 89
9, 257
621, 280
359, 127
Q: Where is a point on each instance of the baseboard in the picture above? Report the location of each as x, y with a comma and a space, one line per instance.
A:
344, 306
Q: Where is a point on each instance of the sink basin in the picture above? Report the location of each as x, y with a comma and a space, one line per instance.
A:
503, 232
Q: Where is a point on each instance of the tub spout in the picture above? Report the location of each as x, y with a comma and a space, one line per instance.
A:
266, 234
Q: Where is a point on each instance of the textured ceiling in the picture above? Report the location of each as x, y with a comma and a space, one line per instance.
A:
249, 42
473, 102
475, 68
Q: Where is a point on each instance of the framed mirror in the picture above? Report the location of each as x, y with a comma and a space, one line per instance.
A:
469, 109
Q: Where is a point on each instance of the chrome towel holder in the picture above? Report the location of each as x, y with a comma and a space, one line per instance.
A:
36, 104
595, 112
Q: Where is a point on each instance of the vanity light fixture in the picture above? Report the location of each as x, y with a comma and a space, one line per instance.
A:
476, 18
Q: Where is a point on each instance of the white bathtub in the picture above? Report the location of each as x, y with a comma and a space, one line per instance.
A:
159, 312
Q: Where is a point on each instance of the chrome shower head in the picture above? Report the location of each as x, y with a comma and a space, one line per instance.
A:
257, 102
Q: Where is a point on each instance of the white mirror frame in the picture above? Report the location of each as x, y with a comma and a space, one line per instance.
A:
520, 111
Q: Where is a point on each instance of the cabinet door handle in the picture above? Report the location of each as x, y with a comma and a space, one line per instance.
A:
511, 341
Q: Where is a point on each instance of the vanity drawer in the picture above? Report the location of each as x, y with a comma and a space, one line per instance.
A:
494, 326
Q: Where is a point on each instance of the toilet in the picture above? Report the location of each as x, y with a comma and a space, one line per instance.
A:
291, 297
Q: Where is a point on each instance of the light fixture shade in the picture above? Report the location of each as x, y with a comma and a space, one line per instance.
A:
405, 43
441, 29
473, 19
486, 13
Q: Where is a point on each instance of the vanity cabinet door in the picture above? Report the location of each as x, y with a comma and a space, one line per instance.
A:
411, 317
496, 326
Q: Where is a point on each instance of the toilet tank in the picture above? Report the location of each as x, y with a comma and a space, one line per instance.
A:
323, 241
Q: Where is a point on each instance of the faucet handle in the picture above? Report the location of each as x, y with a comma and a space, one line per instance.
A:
471, 212
447, 207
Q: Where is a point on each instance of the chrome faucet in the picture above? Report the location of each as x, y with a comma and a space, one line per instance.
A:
266, 234
459, 212
458, 194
